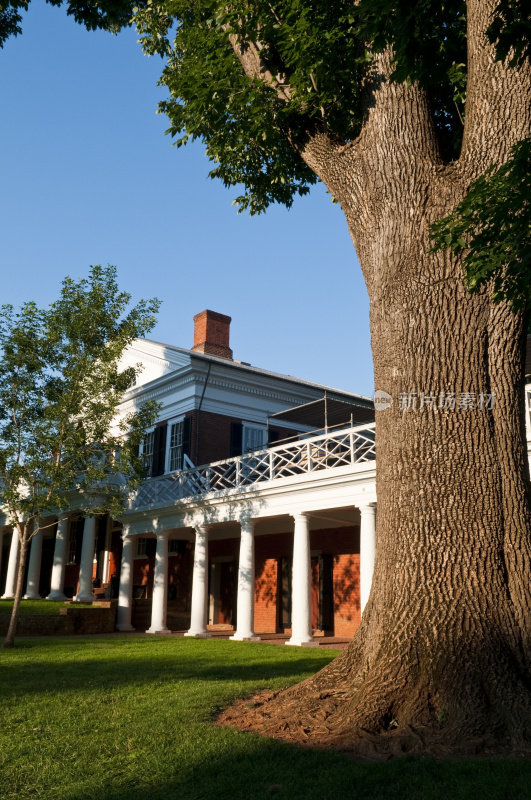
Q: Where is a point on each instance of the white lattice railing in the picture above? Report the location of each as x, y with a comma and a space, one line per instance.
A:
339, 449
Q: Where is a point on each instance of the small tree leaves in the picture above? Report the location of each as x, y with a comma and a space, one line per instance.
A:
492, 226
60, 386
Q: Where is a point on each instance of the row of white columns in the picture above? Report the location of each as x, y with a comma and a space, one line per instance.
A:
301, 617
84, 594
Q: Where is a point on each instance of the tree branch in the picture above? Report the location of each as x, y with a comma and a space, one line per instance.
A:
248, 54
319, 147
495, 93
398, 116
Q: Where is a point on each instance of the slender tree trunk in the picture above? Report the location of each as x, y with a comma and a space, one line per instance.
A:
24, 533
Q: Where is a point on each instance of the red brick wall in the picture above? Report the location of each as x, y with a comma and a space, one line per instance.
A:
268, 549
265, 596
343, 544
71, 620
347, 612
214, 439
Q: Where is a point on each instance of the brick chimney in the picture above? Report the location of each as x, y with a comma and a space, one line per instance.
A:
211, 334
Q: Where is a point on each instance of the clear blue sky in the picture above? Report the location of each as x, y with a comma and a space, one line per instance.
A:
88, 177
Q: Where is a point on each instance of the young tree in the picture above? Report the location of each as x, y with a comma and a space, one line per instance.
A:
60, 386
398, 108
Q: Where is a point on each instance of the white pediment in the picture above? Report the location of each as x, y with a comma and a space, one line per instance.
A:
157, 359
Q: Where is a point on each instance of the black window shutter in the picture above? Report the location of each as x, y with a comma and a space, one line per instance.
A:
187, 437
159, 450
236, 434
151, 547
273, 437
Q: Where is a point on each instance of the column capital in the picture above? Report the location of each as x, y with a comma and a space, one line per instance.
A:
300, 515
368, 508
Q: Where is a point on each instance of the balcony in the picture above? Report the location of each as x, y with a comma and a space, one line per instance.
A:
345, 448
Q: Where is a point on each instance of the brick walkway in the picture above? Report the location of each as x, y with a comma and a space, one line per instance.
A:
331, 642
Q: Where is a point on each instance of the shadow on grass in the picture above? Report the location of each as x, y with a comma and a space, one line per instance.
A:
265, 768
152, 662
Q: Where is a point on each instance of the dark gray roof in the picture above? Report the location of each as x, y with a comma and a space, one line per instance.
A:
250, 368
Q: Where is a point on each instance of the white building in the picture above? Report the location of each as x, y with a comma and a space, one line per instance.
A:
274, 533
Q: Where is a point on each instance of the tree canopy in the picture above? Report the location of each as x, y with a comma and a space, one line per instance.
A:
62, 447
110, 15
313, 70
60, 386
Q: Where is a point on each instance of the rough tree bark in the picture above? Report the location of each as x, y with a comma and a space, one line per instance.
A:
442, 658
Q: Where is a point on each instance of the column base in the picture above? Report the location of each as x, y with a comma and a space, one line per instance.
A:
31, 596
7, 597
198, 634
158, 630
125, 628
57, 597
242, 637
302, 642
83, 598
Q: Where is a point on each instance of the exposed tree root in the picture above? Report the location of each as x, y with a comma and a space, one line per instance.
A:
363, 722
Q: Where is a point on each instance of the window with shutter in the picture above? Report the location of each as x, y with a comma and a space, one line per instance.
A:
159, 450
148, 446
175, 451
236, 429
254, 438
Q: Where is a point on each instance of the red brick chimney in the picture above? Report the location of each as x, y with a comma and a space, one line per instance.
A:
211, 334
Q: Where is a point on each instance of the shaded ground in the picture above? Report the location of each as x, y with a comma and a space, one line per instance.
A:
132, 717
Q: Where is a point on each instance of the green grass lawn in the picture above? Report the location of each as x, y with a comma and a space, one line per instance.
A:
126, 718
39, 606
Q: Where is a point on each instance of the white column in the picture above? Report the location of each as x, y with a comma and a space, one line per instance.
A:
1, 547
59, 561
34, 567
200, 585
160, 586
301, 605
125, 592
245, 609
367, 551
86, 567
12, 564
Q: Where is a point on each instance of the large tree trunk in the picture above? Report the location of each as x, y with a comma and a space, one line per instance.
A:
441, 660
442, 657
